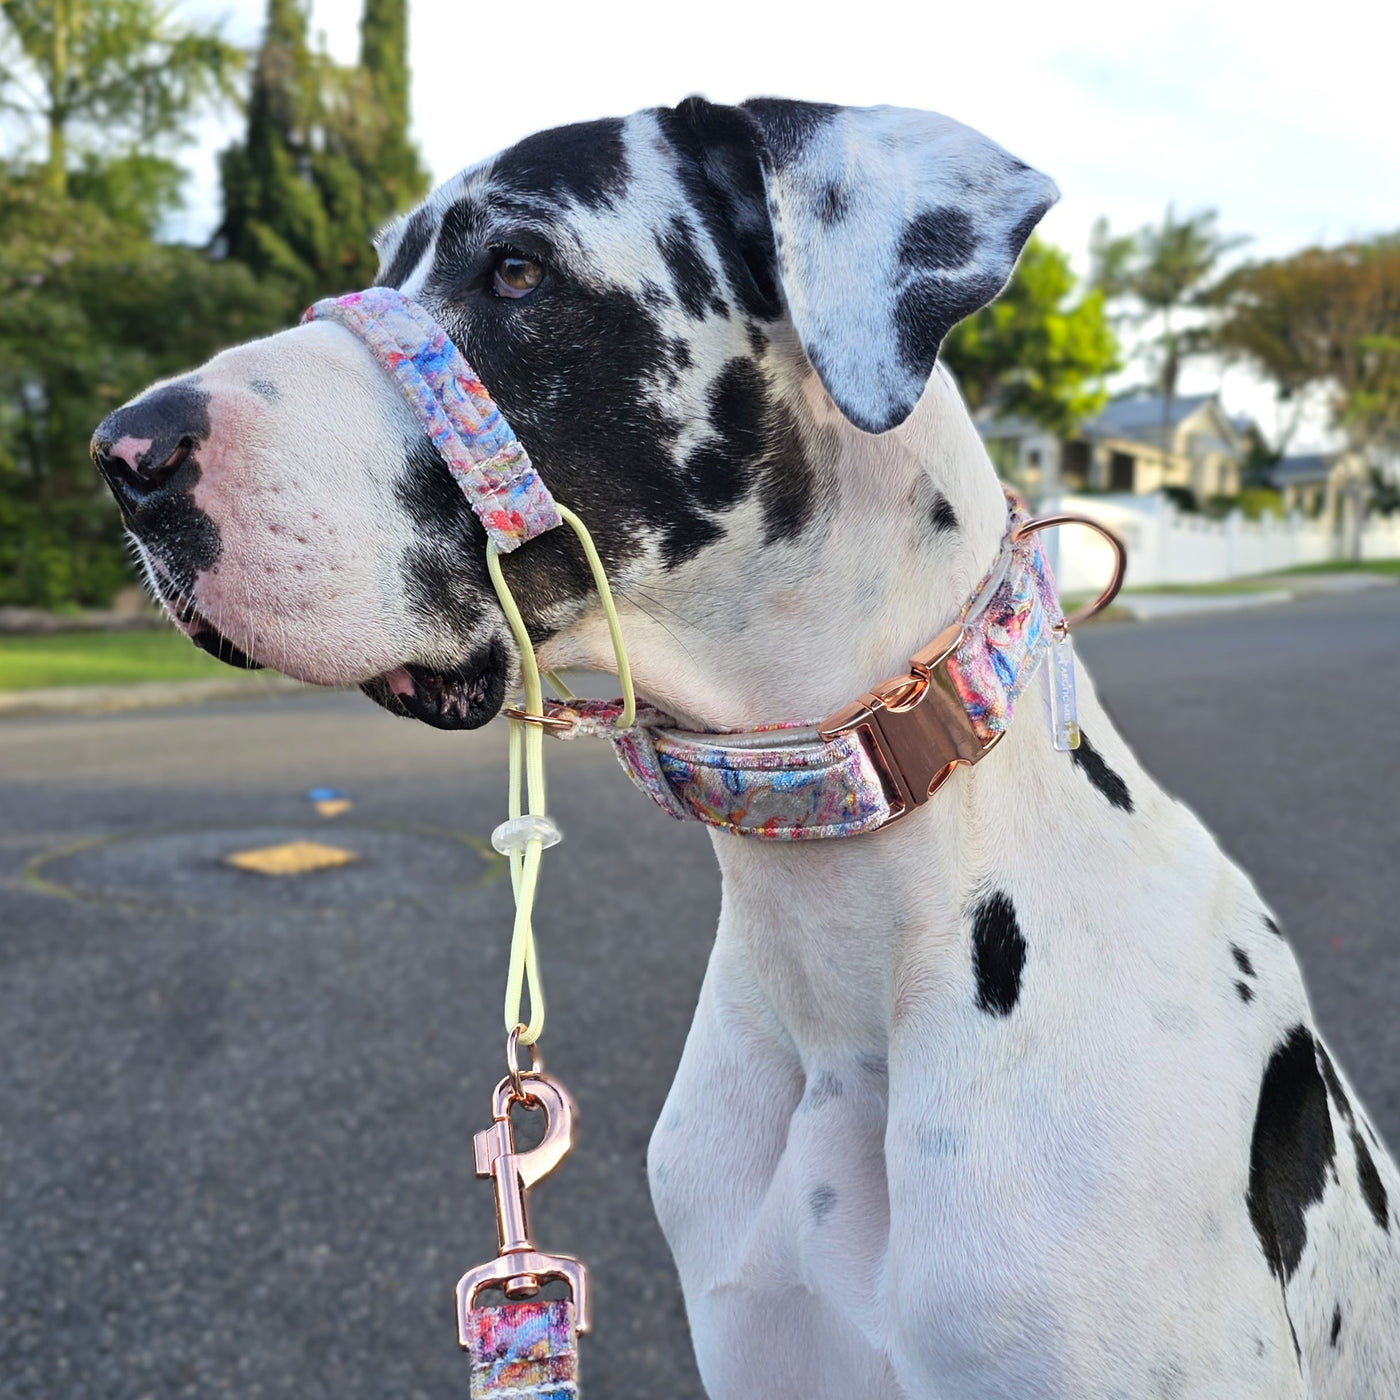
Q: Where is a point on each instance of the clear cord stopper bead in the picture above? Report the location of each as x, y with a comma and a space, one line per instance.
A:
518, 832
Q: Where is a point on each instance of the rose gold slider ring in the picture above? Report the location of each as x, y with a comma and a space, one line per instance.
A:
1120, 560
544, 721
517, 1086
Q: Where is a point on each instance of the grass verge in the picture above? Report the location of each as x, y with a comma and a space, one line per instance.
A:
1347, 566
103, 658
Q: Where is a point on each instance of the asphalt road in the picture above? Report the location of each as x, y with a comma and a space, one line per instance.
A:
235, 1112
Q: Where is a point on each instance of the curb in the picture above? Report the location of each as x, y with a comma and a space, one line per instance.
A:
143, 695
1151, 607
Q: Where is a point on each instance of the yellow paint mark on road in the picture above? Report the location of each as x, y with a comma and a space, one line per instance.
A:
333, 806
291, 858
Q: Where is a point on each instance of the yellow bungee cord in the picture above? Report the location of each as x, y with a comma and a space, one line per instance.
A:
525, 836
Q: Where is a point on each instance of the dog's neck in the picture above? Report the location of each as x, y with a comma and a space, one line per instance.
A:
825, 925
904, 527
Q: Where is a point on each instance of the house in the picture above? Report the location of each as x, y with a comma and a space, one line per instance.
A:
1126, 449
1316, 484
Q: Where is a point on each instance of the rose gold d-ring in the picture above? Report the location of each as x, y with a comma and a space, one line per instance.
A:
1120, 560
517, 1087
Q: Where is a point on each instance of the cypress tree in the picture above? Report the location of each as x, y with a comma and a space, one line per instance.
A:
326, 159
396, 169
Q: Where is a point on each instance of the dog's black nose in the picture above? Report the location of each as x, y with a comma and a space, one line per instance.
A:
141, 446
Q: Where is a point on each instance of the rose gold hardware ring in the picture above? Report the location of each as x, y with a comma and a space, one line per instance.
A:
517, 1087
1120, 560
544, 721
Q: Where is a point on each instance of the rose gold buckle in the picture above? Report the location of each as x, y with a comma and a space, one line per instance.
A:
914, 727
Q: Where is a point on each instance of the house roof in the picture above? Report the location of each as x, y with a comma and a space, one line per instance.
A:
1139, 416
1301, 471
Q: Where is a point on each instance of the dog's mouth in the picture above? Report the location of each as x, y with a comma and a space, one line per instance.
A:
219, 647
464, 697
206, 636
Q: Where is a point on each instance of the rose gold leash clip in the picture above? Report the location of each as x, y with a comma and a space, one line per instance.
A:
519, 1270
1120, 561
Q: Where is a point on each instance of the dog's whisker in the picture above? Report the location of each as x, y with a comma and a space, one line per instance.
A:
642, 608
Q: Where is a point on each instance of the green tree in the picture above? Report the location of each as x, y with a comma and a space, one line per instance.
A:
1039, 351
91, 307
1325, 319
394, 175
106, 75
326, 159
1161, 274
91, 310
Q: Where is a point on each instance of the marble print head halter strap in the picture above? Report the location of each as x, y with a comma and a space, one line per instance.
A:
485, 457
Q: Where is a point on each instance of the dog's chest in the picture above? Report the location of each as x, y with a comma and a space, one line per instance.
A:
948, 1116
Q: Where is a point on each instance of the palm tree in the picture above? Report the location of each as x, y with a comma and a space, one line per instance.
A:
1163, 270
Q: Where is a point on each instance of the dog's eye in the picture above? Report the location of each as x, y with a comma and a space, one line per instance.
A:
517, 276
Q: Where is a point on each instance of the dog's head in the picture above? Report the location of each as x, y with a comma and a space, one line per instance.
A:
688, 316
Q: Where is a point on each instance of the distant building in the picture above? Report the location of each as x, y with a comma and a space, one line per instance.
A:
1315, 484
1125, 449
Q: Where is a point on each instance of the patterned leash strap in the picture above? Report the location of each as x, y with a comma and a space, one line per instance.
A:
524, 1351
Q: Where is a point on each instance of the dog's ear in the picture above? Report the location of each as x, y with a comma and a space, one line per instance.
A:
888, 226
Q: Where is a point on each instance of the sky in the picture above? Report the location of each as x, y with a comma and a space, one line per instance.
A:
1281, 117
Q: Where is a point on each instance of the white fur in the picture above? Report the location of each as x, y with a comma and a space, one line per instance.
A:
1047, 1204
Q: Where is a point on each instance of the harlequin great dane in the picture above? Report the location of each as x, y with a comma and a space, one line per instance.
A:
1019, 1096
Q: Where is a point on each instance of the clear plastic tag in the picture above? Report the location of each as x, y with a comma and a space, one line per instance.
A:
1064, 709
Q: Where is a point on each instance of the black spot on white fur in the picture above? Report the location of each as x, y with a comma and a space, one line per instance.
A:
824, 1089
266, 390
929, 308
1368, 1179
413, 244
1336, 1326
1272, 926
998, 954
937, 238
822, 1202
1091, 763
1242, 960
789, 126
941, 515
691, 276
585, 163
1245, 992
833, 204
1291, 1152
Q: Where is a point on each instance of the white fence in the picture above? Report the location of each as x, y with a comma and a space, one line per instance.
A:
1166, 546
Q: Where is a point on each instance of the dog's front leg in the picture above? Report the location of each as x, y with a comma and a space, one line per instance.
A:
749, 1165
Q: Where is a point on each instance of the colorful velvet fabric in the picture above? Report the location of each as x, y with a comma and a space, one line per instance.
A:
484, 456
792, 786
1009, 623
524, 1351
